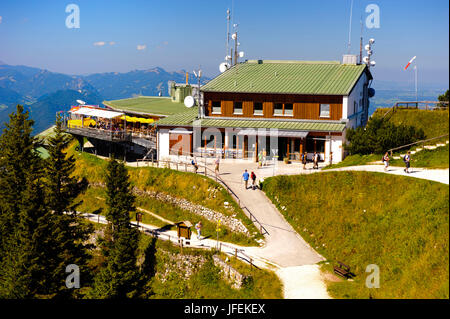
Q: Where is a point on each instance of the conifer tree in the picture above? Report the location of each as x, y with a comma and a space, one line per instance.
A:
70, 231
24, 215
118, 276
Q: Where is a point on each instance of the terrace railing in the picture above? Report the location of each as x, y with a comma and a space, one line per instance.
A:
98, 133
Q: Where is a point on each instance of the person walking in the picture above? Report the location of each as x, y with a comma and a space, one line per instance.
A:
198, 228
194, 163
407, 160
304, 159
217, 162
245, 176
316, 160
253, 177
386, 161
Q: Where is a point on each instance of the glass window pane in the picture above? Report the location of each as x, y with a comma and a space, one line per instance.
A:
216, 107
258, 108
278, 109
324, 110
288, 109
237, 108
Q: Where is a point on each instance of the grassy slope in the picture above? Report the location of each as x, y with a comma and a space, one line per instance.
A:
206, 281
433, 123
193, 187
347, 216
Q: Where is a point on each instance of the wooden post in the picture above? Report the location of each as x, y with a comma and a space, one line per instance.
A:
235, 252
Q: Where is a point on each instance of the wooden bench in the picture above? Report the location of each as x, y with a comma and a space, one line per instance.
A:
343, 270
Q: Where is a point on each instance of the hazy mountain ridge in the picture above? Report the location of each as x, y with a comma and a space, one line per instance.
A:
48, 92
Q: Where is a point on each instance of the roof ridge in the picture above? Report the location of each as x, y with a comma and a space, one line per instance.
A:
292, 61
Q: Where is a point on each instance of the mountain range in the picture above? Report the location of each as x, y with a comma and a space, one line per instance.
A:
44, 93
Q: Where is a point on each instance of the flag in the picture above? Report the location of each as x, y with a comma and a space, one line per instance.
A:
409, 63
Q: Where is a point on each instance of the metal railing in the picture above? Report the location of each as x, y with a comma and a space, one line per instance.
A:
103, 134
415, 143
212, 174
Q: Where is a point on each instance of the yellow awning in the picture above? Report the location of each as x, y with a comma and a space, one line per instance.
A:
136, 119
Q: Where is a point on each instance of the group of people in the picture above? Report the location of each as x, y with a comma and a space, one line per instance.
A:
316, 158
246, 176
406, 159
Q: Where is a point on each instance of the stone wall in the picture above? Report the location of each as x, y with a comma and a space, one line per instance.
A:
230, 274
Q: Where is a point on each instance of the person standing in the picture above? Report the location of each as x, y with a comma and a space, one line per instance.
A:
386, 161
217, 165
304, 159
407, 160
253, 177
198, 228
245, 176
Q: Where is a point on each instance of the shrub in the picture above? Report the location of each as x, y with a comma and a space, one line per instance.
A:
380, 135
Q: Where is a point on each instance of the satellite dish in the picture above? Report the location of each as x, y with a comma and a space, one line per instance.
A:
241, 54
366, 59
189, 101
234, 36
372, 63
371, 92
223, 67
372, 41
81, 102
228, 57
367, 47
369, 52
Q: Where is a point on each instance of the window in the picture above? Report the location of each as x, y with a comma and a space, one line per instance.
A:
288, 109
237, 108
324, 110
216, 107
283, 109
257, 108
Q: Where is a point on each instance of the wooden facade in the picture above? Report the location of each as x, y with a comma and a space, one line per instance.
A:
180, 144
305, 107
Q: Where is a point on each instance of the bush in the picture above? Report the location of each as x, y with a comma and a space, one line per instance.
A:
380, 135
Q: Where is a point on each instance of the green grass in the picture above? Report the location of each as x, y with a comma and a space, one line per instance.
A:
400, 224
357, 159
434, 123
146, 104
196, 188
436, 158
94, 201
206, 282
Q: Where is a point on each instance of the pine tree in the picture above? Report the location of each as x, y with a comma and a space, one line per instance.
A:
70, 231
24, 215
118, 276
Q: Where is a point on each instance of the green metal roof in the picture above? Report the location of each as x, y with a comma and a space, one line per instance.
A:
187, 118
181, 119
288, 77
317, 126
153, 105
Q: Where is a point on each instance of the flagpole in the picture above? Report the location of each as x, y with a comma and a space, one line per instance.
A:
415, 78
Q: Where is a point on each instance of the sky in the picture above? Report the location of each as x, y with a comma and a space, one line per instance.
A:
120, 36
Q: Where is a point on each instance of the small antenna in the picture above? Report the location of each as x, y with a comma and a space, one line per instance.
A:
350, 29
361, 41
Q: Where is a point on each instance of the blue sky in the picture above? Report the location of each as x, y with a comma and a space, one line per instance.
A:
185, 34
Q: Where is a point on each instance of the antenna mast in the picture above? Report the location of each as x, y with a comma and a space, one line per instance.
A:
228, 32
350, 28
361, 42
